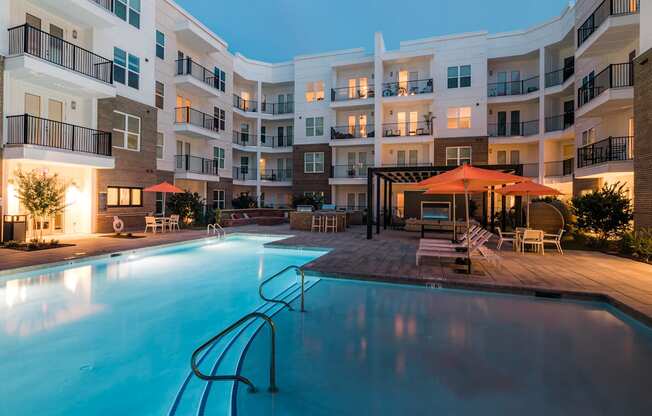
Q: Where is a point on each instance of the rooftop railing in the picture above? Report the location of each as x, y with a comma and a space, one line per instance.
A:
408, 128
196, 164
188, 67
601, 14
244, 105
352, 93
523, 128
501, 89
610, 149
560, 122
360, 131
406, 88
188, 115
613, 76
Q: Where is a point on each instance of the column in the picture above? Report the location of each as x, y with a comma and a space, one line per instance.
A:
542, 112
259, 95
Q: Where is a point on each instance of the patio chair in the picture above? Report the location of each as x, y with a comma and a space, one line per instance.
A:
173, 222
554, 239
151, 223
532, 238
505, 237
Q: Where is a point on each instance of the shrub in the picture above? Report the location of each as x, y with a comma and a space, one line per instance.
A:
638, 244
218, 216
606, 212
316, 202
189, 206
244, 201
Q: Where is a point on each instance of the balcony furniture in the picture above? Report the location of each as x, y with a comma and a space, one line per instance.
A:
533, 238
554, 239
505, 237
154, 224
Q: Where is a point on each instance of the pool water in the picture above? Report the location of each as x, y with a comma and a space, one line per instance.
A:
115, 336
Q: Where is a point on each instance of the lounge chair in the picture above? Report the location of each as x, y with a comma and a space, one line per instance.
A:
554, 239
451, 253
505, 237
462, 244
474, 230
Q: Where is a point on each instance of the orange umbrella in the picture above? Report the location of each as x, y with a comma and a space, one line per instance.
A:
165, 188
527, 189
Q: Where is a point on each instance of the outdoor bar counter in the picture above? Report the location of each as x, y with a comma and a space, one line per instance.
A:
303, 220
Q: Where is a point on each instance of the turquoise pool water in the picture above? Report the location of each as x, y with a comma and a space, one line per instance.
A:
115, 336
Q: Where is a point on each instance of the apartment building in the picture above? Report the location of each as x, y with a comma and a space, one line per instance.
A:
116, 95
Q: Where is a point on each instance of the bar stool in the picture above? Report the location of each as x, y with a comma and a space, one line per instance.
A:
331, 223
316, 223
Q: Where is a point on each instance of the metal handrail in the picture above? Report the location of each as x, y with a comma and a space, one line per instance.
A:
217, 229
264, 282
237, 377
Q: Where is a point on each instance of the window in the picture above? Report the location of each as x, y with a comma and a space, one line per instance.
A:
459, 117
222, 119
465, 76
588, 136
126, 131
218, 155
220, 79
128, 10
160, 94
218, 199
124, 197
400, 158
160, 44
317, 196
133, 79
313, 162
314, 126
459, 76
315, 91
126, 68
159, 203
501, 157
453, 77
515, 157
459, 155
160, 143
414, 157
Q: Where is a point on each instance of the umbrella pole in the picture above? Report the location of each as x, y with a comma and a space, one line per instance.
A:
164, 204
454, 221
468, 225
527, 214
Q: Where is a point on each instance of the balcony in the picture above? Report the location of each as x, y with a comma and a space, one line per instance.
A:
194, 123
244, 139
244, 105
560, 122
244, 173
611, 149
513, 88
276, 175
197, 79
530, 170
595, 22
407, 88
560, 76
408, 128
559, 168
85, 13
36, 138
522, 129
277, 109
276, 143
352, 93
363, 131
196, 167
353, 171
40, 58
608, 90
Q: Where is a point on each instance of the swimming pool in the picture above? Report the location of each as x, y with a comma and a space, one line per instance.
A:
114, 336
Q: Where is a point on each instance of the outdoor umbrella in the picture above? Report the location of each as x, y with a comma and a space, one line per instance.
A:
470, 178
528, 189
165, 188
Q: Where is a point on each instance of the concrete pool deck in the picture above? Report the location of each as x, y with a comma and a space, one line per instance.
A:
390, 256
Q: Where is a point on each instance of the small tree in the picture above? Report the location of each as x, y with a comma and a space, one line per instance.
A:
244, 201
42, 196
606, 212
189, 206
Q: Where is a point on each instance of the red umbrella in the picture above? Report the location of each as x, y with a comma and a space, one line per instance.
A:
165, 188
526, 189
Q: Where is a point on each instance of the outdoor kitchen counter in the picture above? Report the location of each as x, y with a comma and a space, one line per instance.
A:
303, 220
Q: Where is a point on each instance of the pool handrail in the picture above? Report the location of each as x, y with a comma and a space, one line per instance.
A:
217, 229
237, 377
269, 279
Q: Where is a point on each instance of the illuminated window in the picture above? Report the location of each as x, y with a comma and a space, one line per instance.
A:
124, 197
315, 91
459, 117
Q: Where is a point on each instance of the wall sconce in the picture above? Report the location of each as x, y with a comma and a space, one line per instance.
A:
391, 112
74, 34
73, 105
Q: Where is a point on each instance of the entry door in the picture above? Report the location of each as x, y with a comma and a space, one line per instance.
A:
501, 127
402, 125
280, 132
34, 39
244, 166
403, 77
56, 44
179, 154
569, 65
414, 123
515, 120
244, 133
55, 128
515, 83
180, 58
289, 132
501, 88
569, 113
281, 104
351, 124
33, 108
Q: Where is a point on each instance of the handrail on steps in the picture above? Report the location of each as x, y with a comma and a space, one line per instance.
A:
269, 279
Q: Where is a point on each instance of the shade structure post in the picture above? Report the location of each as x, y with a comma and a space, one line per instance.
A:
378, 205
391, 212
527, 212
468, 225
385, 204
370, 203
454, 219
164, 204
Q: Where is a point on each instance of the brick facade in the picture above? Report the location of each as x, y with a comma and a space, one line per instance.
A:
225, 184
132, 168
479, 149
311, 182
643, 141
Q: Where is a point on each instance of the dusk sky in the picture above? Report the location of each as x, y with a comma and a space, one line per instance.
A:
278, 30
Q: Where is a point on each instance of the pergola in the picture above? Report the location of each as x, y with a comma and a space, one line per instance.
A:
411, 175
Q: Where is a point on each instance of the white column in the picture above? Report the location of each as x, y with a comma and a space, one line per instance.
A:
259, 97
542, 112
379, 52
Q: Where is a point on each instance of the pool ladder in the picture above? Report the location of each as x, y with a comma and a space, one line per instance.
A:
253, 315
215, 229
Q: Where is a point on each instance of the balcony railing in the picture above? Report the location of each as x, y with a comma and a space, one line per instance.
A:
276, 175
188, 115
559, 168
416, 128
277, 108
405, 88
105, 4
559, 76
32, 41
601, 14
276, 141
352, 132
352, 93
613, 76
196, 164
610, 149
36, 131
244, 138
560, 122
188, 67
353, 171
244, 105
501, 89
244, 173
530, 170
524, 128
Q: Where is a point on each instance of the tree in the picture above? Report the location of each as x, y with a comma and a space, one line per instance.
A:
42, 196
243, 201
189, 206
606, 212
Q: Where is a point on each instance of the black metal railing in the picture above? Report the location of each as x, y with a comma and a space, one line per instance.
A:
105, 4
524, 128
357, 170
276, 141
244, 173
352, 132
559, 168
415, 128
188, 67
244, 138
276, 175
526, 86
196, 164
601, 14
405, 88
244, 105
608, 150
188, 115
352, 93
530, 170
559, 76
32, 41
560, 122
613, 76
36, 131
277, 108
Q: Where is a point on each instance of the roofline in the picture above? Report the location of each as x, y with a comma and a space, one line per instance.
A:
196, 21
350, 51
534, 28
